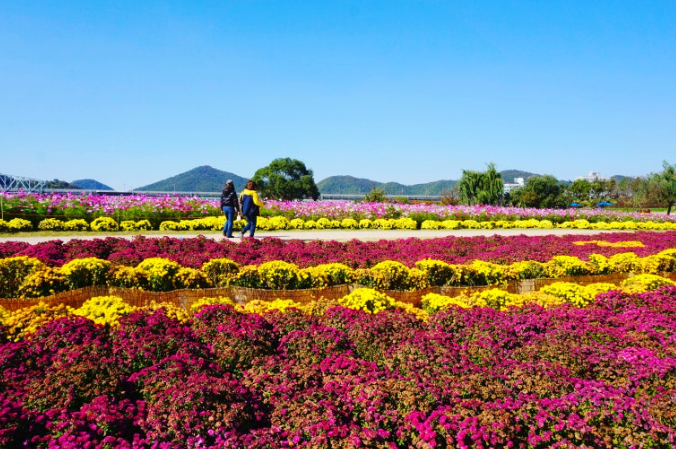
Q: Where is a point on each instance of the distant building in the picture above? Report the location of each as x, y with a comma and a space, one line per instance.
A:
592, 176
509, 186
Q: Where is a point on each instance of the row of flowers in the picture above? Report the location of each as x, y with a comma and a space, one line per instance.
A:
28, 277
108, 224
37, 207
194, 252
561, 376
107, 310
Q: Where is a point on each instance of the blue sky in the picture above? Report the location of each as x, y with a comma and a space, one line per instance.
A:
132, 92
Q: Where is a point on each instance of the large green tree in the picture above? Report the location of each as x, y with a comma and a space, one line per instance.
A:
286, 179
540, 191
667, 185
481, 187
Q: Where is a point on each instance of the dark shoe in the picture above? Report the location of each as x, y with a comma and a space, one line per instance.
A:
230, 236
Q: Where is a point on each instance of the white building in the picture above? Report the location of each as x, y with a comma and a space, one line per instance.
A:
509, 186
592, 176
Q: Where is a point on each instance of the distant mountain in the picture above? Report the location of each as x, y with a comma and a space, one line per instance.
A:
199, 179
59, 184
620, 178
349, 185
346, 185
511, 175
90, 184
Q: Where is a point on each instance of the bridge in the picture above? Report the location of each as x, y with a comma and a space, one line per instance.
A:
10, 183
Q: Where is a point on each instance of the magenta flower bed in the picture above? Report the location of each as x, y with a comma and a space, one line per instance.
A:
194, 252
35, 206
598, 377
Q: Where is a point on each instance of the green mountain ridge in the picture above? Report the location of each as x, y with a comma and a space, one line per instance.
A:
90, 184
199, 179
349, 185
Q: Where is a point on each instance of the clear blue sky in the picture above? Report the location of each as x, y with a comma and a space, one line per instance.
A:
132, 92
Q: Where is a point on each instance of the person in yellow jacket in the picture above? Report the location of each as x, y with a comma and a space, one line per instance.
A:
250, 205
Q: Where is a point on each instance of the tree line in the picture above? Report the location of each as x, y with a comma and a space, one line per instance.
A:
290, 179
486, 188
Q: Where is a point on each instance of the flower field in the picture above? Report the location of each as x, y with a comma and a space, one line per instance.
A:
568, 365
600, 376
24, 212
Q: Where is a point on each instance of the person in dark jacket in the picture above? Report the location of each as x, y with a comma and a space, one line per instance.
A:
229, 204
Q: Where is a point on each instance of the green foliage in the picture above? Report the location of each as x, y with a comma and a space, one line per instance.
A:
541, 192
376, 195
481, 187
667, 182
286, 179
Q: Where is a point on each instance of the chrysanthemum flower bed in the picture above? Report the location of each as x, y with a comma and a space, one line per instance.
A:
28, 277
194, 252
600, 376
277, 223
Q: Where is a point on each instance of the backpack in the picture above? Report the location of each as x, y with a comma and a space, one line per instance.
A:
249, 207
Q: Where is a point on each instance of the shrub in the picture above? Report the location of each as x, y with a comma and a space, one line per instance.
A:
220, 271
170, 225
324, 223
297, 223
624, 263
85, 272
161, 273
326, 275
127, 277
191, 278
105, 310
430, 224
19, 225
43, 283
13, 271
497, 299
367, 300
349, 223
528, 269
207, 301
310, 224
278, 275
645, 282
434, 302
105, 224
574, 294
128, 225
76, 225
560, 266
437, 272
51, 224
22, 323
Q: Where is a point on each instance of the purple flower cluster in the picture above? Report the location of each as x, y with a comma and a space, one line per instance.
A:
562, 377
194, 252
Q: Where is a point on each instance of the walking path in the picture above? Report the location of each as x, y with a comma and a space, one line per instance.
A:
328, 234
